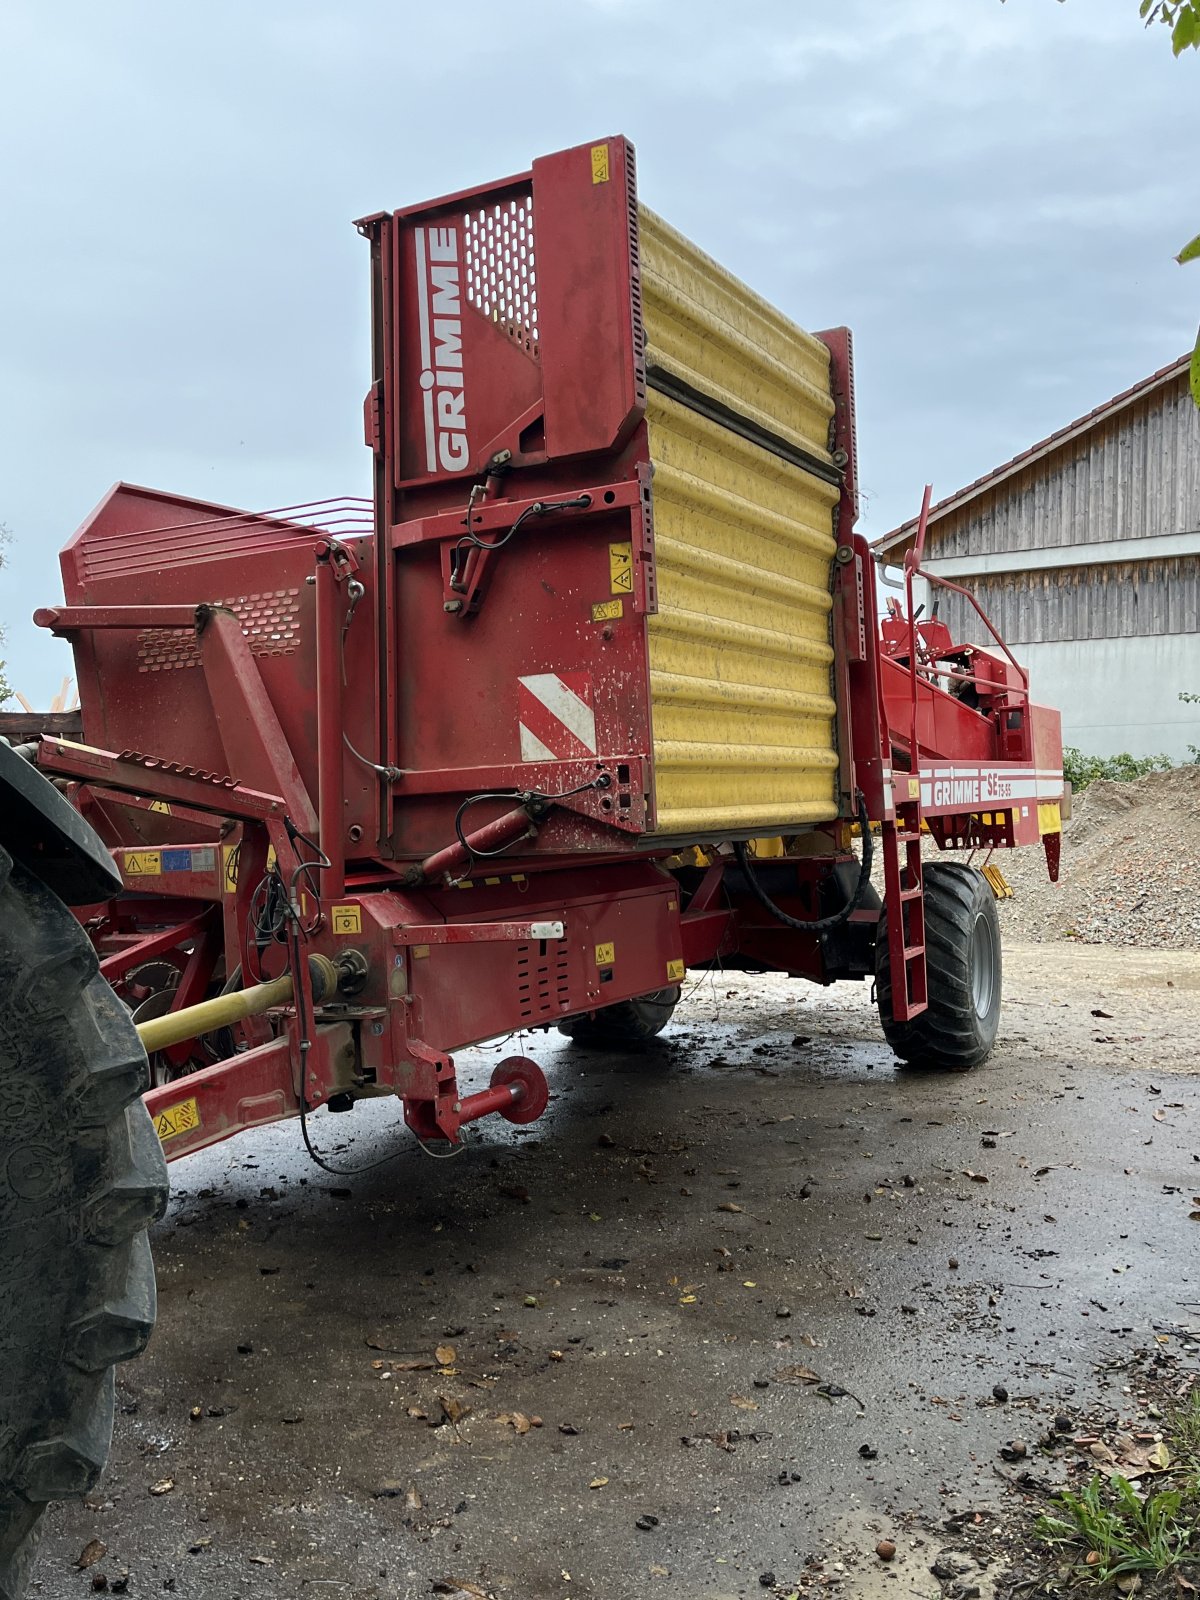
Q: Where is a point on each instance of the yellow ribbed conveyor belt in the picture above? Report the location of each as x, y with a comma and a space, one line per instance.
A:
739, 412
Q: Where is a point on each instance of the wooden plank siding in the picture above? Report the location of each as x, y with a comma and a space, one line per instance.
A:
1134, 476
1124, 600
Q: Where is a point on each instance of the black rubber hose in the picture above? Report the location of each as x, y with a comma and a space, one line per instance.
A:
837, 917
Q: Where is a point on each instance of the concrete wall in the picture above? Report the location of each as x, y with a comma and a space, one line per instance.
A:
1120, 694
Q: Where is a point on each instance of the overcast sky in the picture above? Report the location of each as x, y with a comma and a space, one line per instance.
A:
985, 193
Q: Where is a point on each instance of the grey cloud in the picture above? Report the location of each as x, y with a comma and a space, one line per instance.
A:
974, 188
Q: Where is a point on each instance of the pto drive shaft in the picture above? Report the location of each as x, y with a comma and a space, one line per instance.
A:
177, 1026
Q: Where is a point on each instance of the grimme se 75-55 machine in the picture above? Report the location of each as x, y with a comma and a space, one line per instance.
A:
594, 691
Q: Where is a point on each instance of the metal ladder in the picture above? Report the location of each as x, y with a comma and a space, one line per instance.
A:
905, 901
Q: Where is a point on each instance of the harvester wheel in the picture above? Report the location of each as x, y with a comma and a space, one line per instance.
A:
81, 1177
962, 954
628, 1022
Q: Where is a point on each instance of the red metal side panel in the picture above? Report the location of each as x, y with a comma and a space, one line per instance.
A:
145, 690
516, 319
589, 315
509, 359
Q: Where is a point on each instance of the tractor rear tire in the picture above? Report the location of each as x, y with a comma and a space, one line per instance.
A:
81, 1177
963, 963
629, 1022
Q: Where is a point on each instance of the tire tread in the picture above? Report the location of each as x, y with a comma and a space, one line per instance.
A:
948, 1036
81, 1177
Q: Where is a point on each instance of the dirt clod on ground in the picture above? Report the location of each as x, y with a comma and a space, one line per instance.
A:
1130, 869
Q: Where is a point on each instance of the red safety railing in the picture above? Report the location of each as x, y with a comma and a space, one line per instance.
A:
913, 569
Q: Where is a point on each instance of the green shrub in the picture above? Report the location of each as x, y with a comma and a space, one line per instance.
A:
1080, 770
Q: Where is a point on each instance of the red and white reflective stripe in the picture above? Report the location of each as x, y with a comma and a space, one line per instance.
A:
556, 718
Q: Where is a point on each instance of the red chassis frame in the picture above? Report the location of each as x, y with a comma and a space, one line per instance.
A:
454, 950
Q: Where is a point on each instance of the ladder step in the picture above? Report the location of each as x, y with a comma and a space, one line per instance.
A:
911, 951
911, 894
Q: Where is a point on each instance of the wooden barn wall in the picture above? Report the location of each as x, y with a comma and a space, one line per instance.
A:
1119, 601
1132, 478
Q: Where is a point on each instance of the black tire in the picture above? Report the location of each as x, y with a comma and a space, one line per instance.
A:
628, 1022
962, 953
81, 1177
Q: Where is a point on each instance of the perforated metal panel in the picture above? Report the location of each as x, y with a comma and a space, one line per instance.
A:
501, 271
270, 621
543, 982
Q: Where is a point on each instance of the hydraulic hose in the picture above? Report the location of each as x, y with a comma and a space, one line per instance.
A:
820, 923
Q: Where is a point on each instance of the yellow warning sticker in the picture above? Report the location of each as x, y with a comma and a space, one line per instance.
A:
346, 919
229, 866
606, 610
1050, 819
606, 954
620, 568
143, 864
160, 805
675, 971
169, 1124
599, 163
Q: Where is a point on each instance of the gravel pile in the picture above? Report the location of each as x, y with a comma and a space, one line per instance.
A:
1130, 869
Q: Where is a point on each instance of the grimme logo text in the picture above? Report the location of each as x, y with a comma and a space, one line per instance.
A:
439, 312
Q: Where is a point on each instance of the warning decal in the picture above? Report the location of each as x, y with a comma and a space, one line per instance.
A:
675, 971
606, 954
600, 172
346, 919
143, 864
554, 711
169, 1124
620, 568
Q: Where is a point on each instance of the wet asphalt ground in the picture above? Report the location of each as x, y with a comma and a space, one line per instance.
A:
737, 1304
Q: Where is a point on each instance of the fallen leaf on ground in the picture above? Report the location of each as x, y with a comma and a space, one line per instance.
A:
597, 1483
163, 1486
453, 1411
796, 1374
94, 1550
741, 1402
445, 1354
516, 1419
729, 1205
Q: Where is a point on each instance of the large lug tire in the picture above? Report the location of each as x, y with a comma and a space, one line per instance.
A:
81, 1177
962, 955
628, 1022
